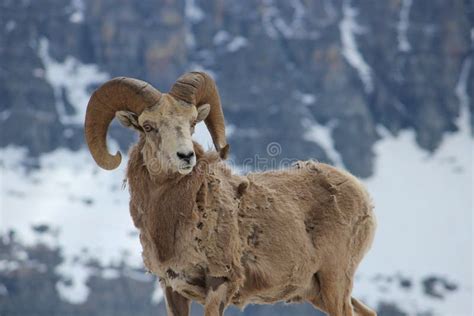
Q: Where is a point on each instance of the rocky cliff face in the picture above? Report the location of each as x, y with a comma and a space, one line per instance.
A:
283, 67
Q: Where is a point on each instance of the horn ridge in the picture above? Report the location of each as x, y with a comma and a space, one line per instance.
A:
121, 93
199, 88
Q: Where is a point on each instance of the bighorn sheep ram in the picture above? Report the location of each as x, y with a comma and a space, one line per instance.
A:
219, 238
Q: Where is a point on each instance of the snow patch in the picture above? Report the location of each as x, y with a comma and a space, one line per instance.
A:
349, 29
158, 294
230, 129
221, 37
236, 44
8, 266
461, 86
192, 11
70, 192
194, 66
322, 135
305, 98
472, 37
77, 291
402, 27
189, 38
202, 136
4, 115
10, 26
298, 15
77, 15
423, 204
275, 25
231, 44
268, 13
331, 14
74, 78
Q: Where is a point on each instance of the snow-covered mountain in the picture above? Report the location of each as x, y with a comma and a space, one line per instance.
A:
384, 90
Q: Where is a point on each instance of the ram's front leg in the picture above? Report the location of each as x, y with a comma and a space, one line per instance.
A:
176, 304
217, 296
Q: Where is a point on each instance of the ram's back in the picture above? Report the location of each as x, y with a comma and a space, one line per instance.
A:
291, 222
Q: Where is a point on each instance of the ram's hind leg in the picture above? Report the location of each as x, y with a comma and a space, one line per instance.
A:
360, 309
332, 295
176, 304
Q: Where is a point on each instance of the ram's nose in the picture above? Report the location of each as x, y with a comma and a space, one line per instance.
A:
185, 156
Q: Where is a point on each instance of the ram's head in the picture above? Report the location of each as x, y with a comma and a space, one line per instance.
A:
166, 120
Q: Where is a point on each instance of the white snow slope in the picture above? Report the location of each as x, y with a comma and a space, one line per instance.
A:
424, 209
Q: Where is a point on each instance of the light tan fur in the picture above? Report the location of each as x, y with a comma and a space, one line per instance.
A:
219, 238
289, 235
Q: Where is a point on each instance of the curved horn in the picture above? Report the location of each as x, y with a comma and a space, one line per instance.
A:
199, 88
118, 94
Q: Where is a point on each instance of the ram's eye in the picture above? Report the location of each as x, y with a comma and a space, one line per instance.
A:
147, 128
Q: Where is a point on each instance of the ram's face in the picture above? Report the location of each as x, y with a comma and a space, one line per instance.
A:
167, 128
166, 120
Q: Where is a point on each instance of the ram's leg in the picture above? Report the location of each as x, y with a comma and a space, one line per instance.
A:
360, 309
334, 295
176, 304
216, 300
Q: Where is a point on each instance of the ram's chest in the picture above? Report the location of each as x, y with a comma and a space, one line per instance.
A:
187, 243
184, 272
201, 252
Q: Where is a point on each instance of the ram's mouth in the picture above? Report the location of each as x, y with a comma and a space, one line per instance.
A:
185, 169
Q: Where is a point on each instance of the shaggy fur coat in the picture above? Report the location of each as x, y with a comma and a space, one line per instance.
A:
269, 235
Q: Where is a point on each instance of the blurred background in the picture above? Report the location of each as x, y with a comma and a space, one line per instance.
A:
384, 89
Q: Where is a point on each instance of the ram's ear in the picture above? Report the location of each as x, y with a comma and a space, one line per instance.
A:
128, 119
203, 112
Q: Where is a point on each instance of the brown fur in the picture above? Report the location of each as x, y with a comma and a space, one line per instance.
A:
176, 304
289, 235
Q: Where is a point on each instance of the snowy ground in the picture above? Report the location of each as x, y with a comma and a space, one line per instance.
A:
425, 223
424, 207
69, 192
